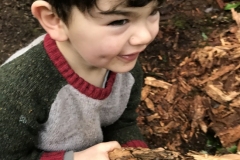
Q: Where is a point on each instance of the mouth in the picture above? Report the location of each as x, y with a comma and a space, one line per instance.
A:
129, 57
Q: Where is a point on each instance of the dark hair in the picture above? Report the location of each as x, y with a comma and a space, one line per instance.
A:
63, 7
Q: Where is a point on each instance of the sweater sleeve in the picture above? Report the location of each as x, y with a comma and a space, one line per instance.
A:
125, 129
18, 133
24, 107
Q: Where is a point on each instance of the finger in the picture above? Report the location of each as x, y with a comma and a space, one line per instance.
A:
109, 146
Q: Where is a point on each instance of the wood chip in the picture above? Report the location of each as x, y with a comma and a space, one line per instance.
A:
150, 104
166, 128
217, 94
145, 92
152, 117
221, 71
171, 93
157, 83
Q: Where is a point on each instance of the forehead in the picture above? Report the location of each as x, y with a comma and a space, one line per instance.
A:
105, 5
111, 4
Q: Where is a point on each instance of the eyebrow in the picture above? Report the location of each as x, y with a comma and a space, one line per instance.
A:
118, 12
124, 13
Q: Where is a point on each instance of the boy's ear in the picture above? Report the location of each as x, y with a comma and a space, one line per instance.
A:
52, 24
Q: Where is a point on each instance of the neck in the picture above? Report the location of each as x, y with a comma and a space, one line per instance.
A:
92, 74
73, 58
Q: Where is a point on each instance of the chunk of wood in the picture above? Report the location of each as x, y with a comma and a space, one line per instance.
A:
143, 154
151, 81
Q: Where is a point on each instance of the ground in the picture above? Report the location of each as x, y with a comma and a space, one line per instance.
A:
185, 26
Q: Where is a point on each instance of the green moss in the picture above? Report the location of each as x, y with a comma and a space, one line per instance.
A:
180, 22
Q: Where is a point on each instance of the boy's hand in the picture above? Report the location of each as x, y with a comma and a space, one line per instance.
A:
97, 152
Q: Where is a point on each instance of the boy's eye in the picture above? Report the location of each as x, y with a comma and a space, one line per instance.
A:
154, 12
118, 22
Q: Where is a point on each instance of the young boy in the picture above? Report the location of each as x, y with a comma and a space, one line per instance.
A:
72, 93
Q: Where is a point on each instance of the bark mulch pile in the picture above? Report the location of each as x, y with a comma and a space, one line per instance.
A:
201, 95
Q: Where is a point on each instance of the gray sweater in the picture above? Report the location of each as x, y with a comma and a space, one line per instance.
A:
47, 111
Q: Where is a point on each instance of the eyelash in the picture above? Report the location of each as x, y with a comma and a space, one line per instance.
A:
154, 12
124, 21
118, 22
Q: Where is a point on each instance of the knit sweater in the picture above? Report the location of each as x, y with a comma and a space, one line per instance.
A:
48, 112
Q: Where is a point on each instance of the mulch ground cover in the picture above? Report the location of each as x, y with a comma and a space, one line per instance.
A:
197, 99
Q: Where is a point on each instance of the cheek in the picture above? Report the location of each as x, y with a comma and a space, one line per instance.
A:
155, 29
102, 52
154, 23
110, 47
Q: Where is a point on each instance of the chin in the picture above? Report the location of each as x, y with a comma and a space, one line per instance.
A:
123, 69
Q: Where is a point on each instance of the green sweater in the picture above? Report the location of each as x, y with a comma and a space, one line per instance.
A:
47, 111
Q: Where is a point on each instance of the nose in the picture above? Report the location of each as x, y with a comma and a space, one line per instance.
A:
142, 35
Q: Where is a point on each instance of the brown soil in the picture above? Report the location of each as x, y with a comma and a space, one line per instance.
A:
185, 25
17, 26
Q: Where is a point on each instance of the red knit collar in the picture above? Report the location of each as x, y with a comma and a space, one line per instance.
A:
72, 78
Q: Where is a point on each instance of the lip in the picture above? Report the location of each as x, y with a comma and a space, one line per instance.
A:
129, 57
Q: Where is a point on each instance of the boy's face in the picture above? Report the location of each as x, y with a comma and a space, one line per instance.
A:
112, 40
